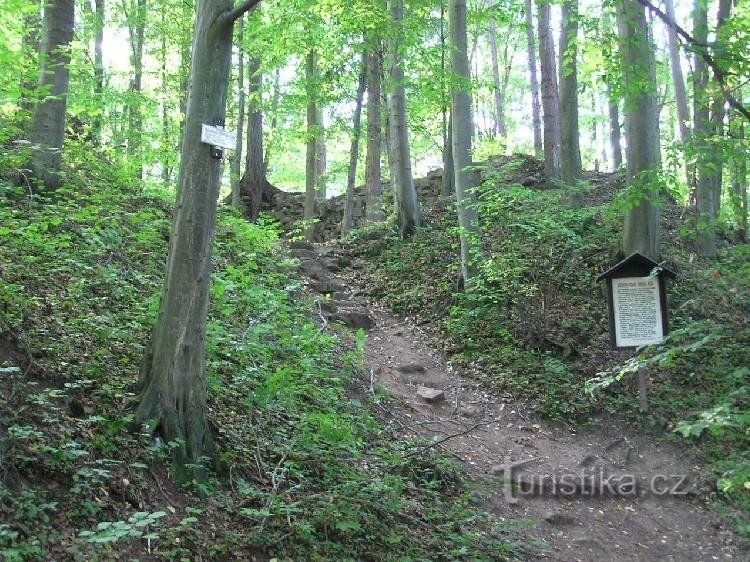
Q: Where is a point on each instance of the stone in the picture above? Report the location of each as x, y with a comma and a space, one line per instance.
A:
430, 394
354, 319
301, 245
411, 368
327, 286
328, 306
470, 411
559, 518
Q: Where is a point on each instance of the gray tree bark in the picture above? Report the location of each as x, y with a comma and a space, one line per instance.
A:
255, 183
702, 129
550, 95
499, 129
570, 153
234, 174
465, 178
347, 222
536, 113
321, 158
99, 16
48, 122
373, 185
137, 29
680, 95
173, 400
642, 228
409, 216
739, 180
31, 43
311, 167
448, 180
615, 132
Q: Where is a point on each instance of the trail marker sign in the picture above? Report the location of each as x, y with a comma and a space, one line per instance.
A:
637, 302
219, 138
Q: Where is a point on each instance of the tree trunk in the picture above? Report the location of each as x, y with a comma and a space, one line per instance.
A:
641, 229
570, 154
237, 158
615, 133
465, 181
48, 123
135, 112
187, 12
166, 171
173, 375
706, 172
550, 96
536, 114
408, 216
681, 100
274, 118
447, 183
321, 158
98, 65
30, 46
347, 222
255, 184
499, 128
373, 185
312, 144
739, 180
717, 110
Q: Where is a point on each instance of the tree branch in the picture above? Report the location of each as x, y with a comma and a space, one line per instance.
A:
719, 74
240, 10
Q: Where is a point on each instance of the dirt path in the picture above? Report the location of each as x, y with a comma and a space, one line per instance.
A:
598, 494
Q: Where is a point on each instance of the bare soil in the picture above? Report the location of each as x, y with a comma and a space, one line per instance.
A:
599, 493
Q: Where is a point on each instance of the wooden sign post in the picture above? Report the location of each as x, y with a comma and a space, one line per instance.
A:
637, 302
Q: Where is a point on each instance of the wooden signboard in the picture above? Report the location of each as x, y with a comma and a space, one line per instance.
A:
637, 302
218, 137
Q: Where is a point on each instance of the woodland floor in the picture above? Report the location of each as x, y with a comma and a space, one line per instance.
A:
483, 431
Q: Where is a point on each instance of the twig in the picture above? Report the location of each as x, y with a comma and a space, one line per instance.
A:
447, 438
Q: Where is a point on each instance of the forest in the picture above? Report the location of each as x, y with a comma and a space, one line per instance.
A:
399, 280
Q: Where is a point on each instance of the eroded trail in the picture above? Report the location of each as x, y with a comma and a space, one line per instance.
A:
597, 494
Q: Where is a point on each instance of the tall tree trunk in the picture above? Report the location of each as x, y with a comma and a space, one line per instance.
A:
31, 43
321, 158
570, 154
705, 184
536, 114
468, 220
275, 98
642, 228
550, 96
166, 171
187, 14
739, 180
615, 133
135, 110
312, 144
254, 185
48, 123
174, 396
347, 222
499, 128
373, 185
717, 109
447, 184
237, 159
409, 216
681, 100
99, 65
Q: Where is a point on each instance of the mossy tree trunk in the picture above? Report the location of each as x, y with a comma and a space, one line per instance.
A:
173, 375
373, 185
570, 148
550, 94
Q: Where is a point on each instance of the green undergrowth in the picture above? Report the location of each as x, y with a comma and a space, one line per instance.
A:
535, 327
307, 472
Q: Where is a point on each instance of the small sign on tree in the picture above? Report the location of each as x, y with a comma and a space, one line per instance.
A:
637, 302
